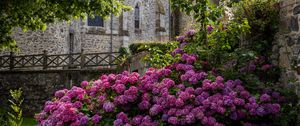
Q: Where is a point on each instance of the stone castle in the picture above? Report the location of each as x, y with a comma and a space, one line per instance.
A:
150, 20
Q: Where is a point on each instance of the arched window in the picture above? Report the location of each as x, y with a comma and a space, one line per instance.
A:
137, 17
97, 21
160, 17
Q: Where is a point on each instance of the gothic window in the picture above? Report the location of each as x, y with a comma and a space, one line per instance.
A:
71, 43
160, 17
137, 17
97, 21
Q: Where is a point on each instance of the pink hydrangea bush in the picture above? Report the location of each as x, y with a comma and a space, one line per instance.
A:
178, 94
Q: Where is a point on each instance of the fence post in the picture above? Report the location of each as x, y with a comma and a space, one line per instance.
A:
45, 58
82, 61
71, 61
110, 59
11, 60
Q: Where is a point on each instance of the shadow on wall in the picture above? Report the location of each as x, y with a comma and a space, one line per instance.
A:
38, 87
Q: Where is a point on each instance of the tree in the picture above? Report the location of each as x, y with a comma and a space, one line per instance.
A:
36, 14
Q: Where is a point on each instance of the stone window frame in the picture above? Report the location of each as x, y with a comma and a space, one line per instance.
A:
159, 12
96, 16
137, 20
98, 30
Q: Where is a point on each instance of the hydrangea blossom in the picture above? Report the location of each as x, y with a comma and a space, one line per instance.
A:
178, 94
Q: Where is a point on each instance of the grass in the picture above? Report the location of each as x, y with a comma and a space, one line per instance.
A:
28, 121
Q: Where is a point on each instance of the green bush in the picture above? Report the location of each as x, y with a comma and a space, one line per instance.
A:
140, 47
159, 54
263, 17
15, 118
241, 48
3, 116
12, 116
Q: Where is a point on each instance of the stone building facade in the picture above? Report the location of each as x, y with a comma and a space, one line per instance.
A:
286, 49
148, 21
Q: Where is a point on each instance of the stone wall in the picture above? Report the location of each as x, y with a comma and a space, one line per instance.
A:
38, 87
74, 36
52, 39
286, 47
149, 14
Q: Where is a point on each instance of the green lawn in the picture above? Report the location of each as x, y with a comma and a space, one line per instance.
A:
28, 121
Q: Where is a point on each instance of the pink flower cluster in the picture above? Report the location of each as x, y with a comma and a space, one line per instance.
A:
175, 95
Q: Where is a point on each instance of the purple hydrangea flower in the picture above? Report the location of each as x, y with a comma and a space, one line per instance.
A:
210, 28
165, 117
180, 38
65, 99
182, 44
265, 98
84, 120
60, 93
144, 105
191, 32
123, 117
84, 84
276, 95
245, 94
177, 51
275, 108
190, 118
77, 104
96, 118
173, 120
137, 120
266, 67
120, 100
155, 109
179, 102
108, 106
252, 67
101, 99
119, 88
118, 122
260, 111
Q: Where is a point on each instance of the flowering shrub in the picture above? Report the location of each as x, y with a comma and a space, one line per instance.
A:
178, 94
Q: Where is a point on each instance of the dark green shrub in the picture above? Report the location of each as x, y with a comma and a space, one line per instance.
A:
3, 116
263, 18
140, 47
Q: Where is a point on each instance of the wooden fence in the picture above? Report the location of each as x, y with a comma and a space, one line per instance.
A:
74, 61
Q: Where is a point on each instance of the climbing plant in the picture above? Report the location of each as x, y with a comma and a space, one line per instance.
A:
203, 12
263, 17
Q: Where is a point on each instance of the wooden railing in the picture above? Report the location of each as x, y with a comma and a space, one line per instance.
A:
59, 61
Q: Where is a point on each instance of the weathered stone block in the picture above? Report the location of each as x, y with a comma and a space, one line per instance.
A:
294, 25
124, 33
275, 49
296, 50
298, 41
284, 26
290, 41
160, 29
296, 10
284, 60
